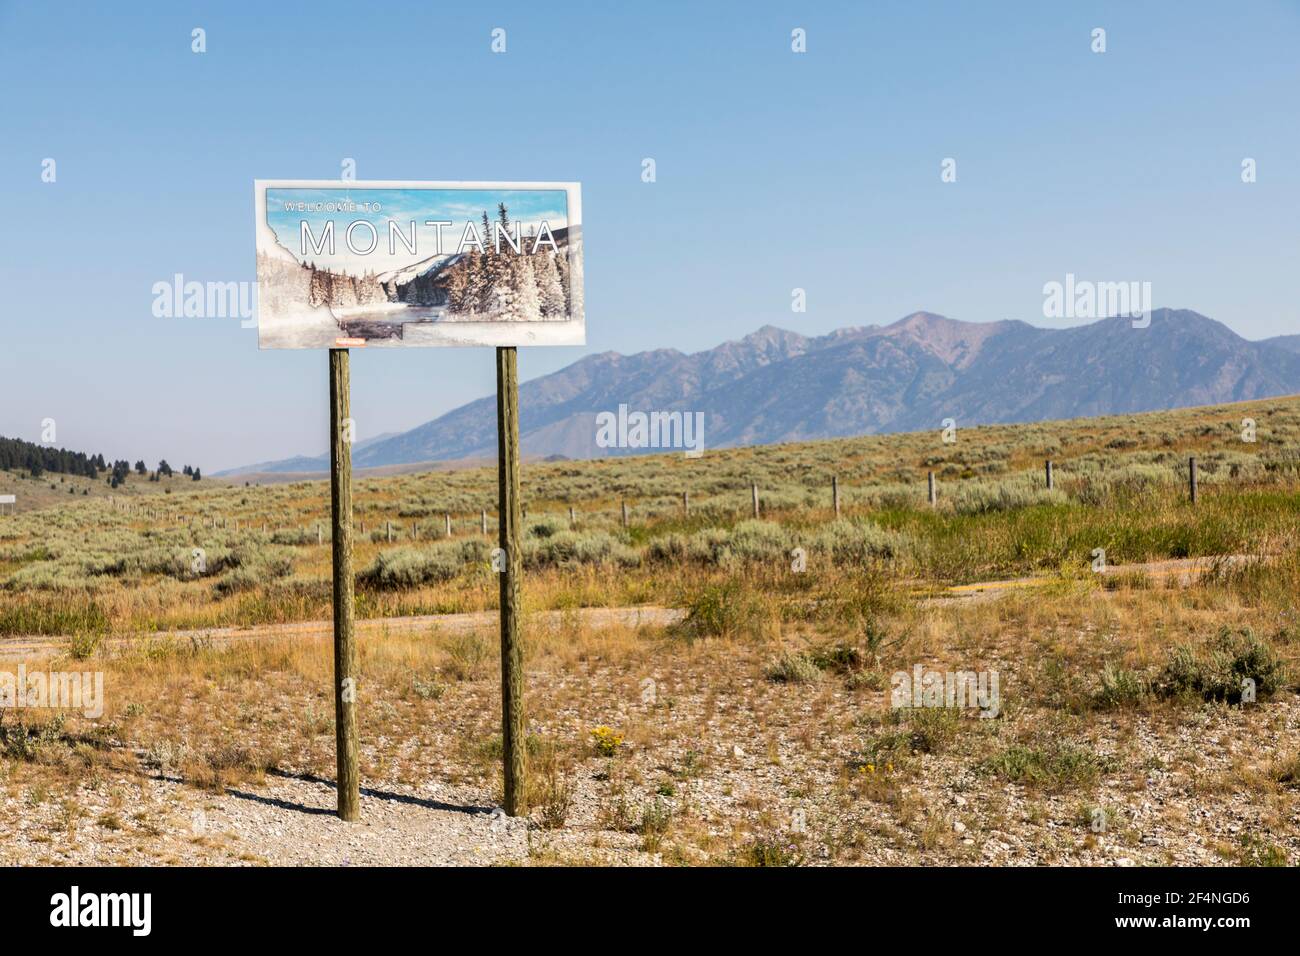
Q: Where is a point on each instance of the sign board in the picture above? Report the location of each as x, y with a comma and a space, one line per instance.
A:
393, 264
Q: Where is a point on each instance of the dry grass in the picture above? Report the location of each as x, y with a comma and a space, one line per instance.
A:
759, 731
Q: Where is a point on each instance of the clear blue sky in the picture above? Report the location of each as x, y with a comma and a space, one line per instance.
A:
775, 171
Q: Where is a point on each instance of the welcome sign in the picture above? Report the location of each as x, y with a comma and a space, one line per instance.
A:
392, 264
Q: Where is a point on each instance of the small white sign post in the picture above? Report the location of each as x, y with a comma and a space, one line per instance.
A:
9, 502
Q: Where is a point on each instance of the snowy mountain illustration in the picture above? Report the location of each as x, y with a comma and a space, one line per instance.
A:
316, 286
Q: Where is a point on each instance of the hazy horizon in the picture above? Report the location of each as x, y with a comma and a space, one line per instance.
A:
367, 439
381, 432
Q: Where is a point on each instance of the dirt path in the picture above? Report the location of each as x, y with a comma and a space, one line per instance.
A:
596, 617
1185, 571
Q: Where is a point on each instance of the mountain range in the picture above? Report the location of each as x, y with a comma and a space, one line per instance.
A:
775, 385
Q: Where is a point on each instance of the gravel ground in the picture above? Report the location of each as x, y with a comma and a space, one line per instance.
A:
286, 821
1180, 796
719, 764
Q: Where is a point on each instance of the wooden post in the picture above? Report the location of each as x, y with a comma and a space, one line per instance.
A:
1191, 477
754, 492
1050, 483
835, 494
345, 651
510, 521
388, 530
448, 517
483, 519
570, 516
624, 514
934, 499
320, 534
686, 504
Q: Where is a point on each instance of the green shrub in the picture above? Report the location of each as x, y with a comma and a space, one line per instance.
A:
770, 851
760, 541
793, 668
410, 567
841, 658
656, 816
1219, 673
546, 526
1120, 687
566, 548
723, 610
19, 741
987, 497
1055, 765
932, 729
858, 542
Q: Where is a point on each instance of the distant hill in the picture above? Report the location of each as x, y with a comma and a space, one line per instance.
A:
775, 385
297, 466
1289, 342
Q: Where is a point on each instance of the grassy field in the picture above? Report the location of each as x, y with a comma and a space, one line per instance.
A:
768, 735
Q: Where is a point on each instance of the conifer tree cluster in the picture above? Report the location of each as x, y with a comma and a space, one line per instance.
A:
341, 290
19, 455
501, 285
16, 454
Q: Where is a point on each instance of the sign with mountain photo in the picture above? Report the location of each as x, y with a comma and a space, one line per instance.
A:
392, 264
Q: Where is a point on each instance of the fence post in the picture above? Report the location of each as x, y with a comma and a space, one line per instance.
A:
570, 516
448, 517
1191, 477
686, 504
388, 530
753, 489
835, 494
483, 519
1050, 483
624, 514
933, 497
